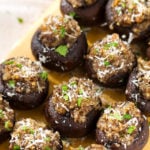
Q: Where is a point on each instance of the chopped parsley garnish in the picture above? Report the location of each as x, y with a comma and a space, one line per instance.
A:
127, 116
64, 88
62, 32
44, 75
31, 131
47, 148
79, 101
11, 83
20, 20
62, 50
1, 113
131, 129
10, 62
80, 91
73, 83
8, 125
117, 116
123, 5
106, 63
66, 97
19, 66
16, 147
47, 139
107, 46
80, 148
72, 14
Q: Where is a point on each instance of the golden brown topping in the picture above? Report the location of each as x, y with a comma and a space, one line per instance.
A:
6, 116
127, 12
58, 30
29, 134
143, 77
110, 56
81, 3
121, 122
23, 75
78, 97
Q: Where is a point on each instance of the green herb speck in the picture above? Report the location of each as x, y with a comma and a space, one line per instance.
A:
107, 46
79, 101
62, 50
62, 32
19, 65
127, 116
47, 148
66, 97
47, 139
131, 129
20, 20
72, 14
16, 147
106, 63
44, 75
11, 83
10, 62
1, 113
8, 125
64, 88
80, 148
117, 116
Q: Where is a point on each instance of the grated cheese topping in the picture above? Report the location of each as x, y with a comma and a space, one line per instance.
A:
7, 116
22, 75
143, 78
110, 57
59, 30
121, 122
77, 97
81, 3
29, 134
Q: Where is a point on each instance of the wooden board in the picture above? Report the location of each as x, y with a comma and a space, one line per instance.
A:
23, 48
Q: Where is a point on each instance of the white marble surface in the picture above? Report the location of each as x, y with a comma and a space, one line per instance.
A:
11, 30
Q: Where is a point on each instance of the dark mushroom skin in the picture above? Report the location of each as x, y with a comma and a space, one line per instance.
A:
58, 62
22, 100
77, 121
139, 141
104, 60
148, 52
7, 119
137, 28
66, 125
87, 15
133, 94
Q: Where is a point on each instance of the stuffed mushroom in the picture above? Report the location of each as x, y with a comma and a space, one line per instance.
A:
110, 61
122, 127
130, 17
23, 82
86, 12
73, 107
32, 135
138, 87
59, 44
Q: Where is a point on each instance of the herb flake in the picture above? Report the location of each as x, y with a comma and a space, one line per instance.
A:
107, 46
79, 101
20, 20
127, 116
62, 50
16, 147
11, 83
131, 129
44, 75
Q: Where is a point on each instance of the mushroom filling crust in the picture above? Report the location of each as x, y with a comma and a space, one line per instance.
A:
58, 30
6, 116
29, 134
22, 75
77, 98
81, 3
143, 78
133, 13
121, 123
110, 57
